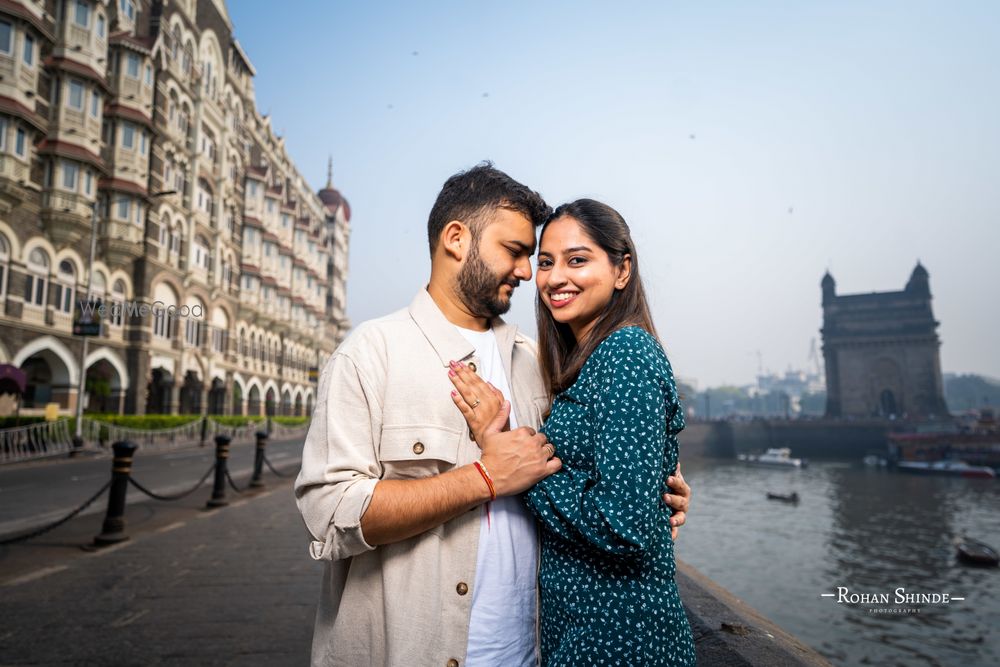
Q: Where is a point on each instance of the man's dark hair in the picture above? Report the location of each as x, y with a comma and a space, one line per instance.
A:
472, 196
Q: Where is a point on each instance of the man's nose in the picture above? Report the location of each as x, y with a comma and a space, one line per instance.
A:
522, 270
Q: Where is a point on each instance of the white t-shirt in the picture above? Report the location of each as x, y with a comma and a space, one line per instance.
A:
502, 627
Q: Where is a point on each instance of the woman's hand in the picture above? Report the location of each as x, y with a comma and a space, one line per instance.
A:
679, 500
479, 401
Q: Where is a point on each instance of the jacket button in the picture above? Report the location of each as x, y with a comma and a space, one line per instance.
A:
452, 663
418, 448
462, 588
472, 365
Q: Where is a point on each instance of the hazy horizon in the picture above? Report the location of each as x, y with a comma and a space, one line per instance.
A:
750, 148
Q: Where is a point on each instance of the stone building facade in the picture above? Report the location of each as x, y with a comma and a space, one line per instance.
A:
882, 352
144, 111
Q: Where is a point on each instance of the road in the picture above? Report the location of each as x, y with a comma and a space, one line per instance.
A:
34, 494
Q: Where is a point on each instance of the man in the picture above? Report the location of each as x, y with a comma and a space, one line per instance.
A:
423, 568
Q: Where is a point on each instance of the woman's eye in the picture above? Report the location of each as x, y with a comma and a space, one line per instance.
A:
576, 261
544, 263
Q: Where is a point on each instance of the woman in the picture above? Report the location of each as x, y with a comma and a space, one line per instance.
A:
607, 562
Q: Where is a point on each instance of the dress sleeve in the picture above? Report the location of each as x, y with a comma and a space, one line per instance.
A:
616, 507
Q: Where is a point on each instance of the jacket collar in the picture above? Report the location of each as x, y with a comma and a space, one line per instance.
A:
447, 342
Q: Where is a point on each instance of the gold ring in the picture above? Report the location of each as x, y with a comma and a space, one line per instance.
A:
551, 448
476, 404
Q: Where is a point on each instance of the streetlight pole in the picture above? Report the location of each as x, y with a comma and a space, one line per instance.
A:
81, 385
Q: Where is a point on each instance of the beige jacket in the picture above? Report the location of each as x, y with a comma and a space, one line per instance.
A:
384, 411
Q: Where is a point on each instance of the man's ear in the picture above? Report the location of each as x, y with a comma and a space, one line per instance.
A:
454, 239
624, 272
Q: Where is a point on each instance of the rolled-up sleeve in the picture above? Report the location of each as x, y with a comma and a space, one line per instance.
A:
340, 466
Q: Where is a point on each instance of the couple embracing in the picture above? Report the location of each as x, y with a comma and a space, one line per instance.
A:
481, 500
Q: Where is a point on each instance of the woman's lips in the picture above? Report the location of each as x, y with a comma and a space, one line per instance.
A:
561, 302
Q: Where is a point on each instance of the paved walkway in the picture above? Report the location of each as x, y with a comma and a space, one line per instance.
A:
234, 586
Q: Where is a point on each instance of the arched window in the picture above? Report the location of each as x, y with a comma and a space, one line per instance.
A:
201, 255
99, 289
4, 264
65, 286
204, 196
37, 280
175, 42
118, 303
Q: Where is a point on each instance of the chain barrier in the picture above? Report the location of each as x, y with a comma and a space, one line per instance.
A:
233, 484
268, 463
176, 496
53, 526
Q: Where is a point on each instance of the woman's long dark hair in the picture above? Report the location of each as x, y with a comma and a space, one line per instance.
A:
560, 357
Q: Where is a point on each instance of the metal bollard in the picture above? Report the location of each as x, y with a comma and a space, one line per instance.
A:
113, 530
258, 461
218, 498
204, 431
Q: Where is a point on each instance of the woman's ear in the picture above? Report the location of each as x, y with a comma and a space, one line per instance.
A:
624, 272
455, 239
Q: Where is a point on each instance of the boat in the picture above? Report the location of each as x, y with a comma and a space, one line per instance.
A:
792, 497
972, 552
875, 461
780, 457
947, 467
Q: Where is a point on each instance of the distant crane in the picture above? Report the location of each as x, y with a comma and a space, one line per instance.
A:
814, 358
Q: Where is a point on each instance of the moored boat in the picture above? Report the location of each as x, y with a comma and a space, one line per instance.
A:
947, 467
976, 553
780, 457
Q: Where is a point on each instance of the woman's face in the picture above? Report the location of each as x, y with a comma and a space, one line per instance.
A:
575, 278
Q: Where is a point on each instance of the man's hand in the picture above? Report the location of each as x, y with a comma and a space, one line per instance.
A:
518, 459
679, 500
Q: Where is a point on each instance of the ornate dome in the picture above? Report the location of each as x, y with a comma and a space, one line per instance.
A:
331, 196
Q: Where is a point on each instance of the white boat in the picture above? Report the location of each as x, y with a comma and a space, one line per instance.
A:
947, 467
780, 457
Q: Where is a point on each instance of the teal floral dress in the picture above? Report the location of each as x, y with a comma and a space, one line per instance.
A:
608, 595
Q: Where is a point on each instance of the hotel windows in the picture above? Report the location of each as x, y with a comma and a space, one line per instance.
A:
65, 287
29, 50
70, 171
6, 38
132, 66
128, 136
76, 94
82, 14
36, 282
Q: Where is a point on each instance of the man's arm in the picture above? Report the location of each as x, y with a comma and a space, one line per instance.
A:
400, 509
346, 505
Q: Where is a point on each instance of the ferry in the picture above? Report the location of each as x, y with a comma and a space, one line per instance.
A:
947, 467
779, 457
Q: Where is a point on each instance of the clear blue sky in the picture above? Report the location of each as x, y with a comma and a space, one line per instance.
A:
854, 136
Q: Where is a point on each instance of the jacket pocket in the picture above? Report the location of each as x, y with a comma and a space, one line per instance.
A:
420, 450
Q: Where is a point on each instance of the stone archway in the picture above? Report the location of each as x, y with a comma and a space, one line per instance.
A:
298, 405
237, 399
190, 397
158, 392
48, 381
270, 402
253, 404
286, 403
217, 397
104, 392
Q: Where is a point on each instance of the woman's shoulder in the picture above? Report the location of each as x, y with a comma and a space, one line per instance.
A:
628, 348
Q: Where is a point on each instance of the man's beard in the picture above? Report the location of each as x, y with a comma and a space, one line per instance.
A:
479, 287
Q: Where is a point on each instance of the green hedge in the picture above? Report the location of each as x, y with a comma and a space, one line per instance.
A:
145, 422
12, 421
290, 421
234, 420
